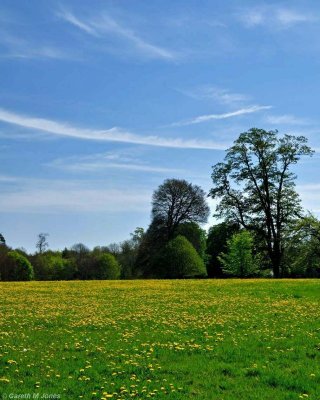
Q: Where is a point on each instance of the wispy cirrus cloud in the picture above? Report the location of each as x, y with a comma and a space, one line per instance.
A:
275, 16
286, 119
73, 20
104, 25
23, 49
105, 162
289, 17
220, 95
114, 134
211, 117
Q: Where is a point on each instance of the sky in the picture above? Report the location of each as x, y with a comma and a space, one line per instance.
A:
101, 101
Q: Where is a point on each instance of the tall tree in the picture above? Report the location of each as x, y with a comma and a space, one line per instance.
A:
2, 239
128, 253
177, 201
137, 235
151, 244
42, 243
263, 196
80, 254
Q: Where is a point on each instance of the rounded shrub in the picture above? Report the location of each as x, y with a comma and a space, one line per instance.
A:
179, 259
21, 268
107, 267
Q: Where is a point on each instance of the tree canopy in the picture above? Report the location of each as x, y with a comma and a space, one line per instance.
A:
20, 267
303, 247
107, 267
42, 243
262, 226
2, 239
196, 236
177, 201
256, 187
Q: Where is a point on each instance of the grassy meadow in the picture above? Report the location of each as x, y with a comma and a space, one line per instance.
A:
206, 339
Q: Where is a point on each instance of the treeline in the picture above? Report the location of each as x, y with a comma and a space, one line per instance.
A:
264, 233
225, 251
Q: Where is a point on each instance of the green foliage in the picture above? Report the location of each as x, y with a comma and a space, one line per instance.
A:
2, 239
52, 265
79, 255
137, 236
179, 259
177, 201
307, 262
21, 268
257, 189
126, 258
107, 267
239, 260
4, 270
195, 235
177, 208
302, 257
146, 264
128, 253
57, 265
218, 237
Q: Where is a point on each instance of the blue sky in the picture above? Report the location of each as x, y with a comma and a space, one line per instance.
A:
101, 101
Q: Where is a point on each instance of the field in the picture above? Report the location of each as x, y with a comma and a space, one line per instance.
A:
210, 339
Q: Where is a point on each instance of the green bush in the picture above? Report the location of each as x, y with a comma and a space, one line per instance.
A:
107, 267
195, 235
239, 260
21, 268
179, 259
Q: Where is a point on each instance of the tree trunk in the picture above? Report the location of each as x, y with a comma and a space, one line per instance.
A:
276, 259
276, 268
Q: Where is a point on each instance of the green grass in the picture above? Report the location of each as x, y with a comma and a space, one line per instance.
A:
224, 339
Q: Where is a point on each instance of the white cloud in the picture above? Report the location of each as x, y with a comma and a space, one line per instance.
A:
253, 18
289, 17
73, 20
274, 16
220, 95
104, 162
21, 48
285, 119
30, 52
224, 96
105, 25
210, 117
112, 135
